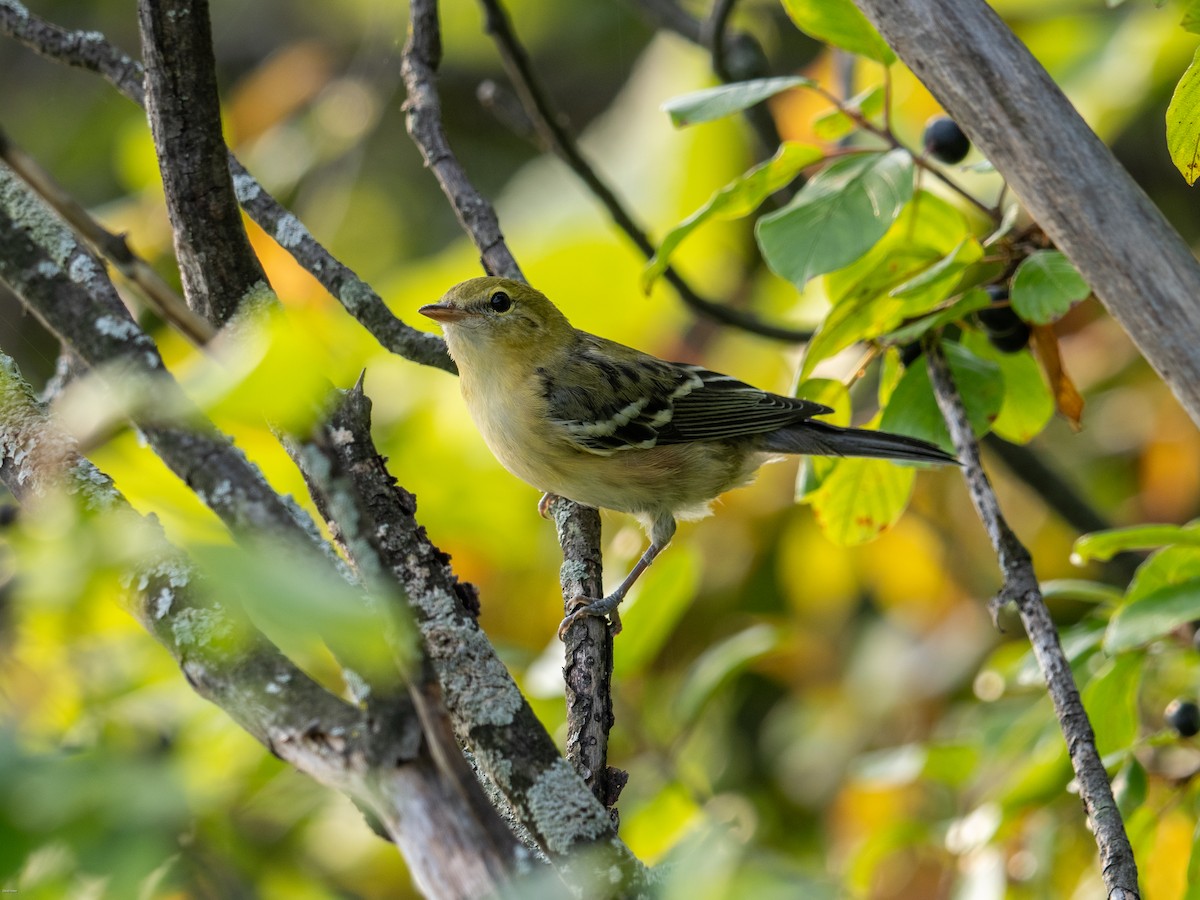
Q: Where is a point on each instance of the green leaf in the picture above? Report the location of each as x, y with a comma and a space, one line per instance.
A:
1110, 699
1080, 589
927, 230
1183, 121
718, 102
937, 283
837, 216
972, 300
1028, 404
668, 588
740, 197
913, 410
1193, 869
1104, 545
838, 22
1191, 17
1044, 287
1129, 788
833, 393
861, 498
719, 664
1153, 616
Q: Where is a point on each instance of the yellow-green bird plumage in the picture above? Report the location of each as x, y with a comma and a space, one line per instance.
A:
608, 426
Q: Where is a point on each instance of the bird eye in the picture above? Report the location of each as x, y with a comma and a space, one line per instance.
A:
501, 302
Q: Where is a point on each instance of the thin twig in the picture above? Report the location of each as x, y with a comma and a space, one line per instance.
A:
89, 50
1021, 587
547, 121
113, 247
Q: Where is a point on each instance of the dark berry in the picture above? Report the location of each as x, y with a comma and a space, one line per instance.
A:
1005, 329
1183, 716
910, 353
945, 141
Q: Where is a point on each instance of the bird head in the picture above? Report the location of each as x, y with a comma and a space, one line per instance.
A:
497, 315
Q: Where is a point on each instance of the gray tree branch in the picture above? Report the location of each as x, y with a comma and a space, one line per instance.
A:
1135, 262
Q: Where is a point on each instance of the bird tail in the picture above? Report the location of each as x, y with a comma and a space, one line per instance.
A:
814, 438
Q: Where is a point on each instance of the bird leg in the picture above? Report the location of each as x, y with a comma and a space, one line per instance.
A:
580, 607
544, 504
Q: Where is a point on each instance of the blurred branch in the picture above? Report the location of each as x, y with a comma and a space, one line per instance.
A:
185, 121
1021, 587
67, 288
378, 760
157, 293
89, 50
548, 124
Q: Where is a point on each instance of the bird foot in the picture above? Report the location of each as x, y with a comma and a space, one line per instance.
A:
544, 504
582, 607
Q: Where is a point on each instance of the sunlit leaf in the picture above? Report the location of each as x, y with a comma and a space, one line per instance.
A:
839, 22
1104, 545
832, 393
1045, 286
740, 197
927, 230
1110, 699
719, 664
1183, 119
861, 498
1028, 405
913, 410
1080, 589
972, 300
837, 216
718, 102
1153, 616
837, 123
1191, 17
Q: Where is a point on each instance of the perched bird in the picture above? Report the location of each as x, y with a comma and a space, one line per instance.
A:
608, 426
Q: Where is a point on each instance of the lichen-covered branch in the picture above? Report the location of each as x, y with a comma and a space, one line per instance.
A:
377, 757
375, 519
1021, 587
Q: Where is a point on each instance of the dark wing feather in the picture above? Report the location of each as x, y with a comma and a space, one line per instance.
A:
645, 401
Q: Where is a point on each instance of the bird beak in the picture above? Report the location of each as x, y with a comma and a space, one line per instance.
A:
444, 312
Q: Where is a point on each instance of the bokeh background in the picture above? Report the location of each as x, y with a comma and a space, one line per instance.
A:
798, 718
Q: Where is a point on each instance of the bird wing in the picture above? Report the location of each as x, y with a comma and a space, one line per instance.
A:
608, 397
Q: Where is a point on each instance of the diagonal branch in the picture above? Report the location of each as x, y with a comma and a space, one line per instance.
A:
548, 123
89, 50
376, 520
1021, 587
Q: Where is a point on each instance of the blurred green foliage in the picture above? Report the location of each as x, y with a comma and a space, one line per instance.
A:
799, 716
